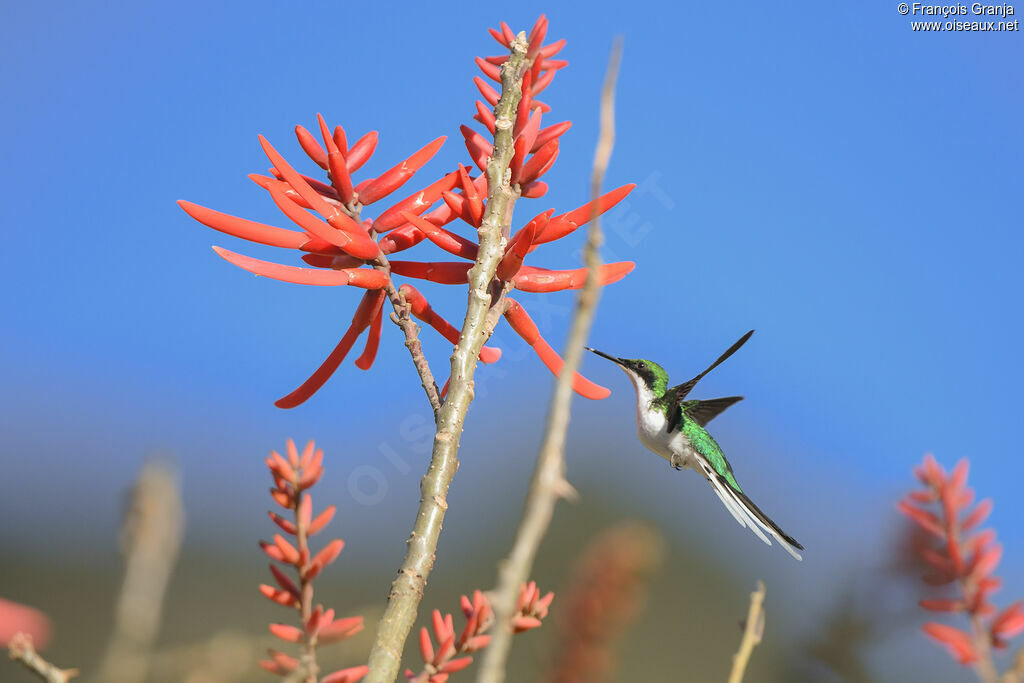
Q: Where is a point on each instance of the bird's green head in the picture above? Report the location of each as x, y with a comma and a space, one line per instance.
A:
644, 373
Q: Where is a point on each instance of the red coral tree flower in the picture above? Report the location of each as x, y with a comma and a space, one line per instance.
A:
964, 557
344, 248
443, 658
293, 476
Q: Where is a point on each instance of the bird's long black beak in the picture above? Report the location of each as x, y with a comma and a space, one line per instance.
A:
604, 355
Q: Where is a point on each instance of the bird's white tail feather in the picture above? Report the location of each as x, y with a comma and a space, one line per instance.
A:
746, 517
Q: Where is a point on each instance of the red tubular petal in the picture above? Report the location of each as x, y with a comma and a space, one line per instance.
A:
320, 260
977, 516
525, 328
296, 181
492, 71
365, 361
311, 147
956, 641
531, 279
307, 221
394, 178
426, 646
350, 675
416, 203
485, 116
329, 553
341, 629
496, 34
1010, 621
446, 650
454, 665
321, 520
422, 310
552, 49
525, 105
539, 163
340, 139
986, 561
357, 277
479, 148
401, 239
562, 225
523, 145
449, 241
240, 227
289, 552
286, 525
534, 190
361, 151
924, 518
278, 596
287, 633
520, 624
540, 29
474, 202
370, 302
486, 91
550, 133
544, 81
284, 581
958, 477
443, 272
517, 249
282, 187
340, 177
457, 203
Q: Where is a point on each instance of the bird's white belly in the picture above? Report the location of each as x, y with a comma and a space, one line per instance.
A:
651, 428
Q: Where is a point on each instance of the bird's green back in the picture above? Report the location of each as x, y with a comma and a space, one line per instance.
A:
705, 444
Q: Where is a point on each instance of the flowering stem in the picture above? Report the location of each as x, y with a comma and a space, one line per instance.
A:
309, 668
407, 589
753, 631
549, 483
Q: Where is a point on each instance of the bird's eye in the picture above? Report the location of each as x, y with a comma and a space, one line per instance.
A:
641, 364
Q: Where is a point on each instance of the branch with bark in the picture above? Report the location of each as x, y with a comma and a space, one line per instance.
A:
407, 589
549, 483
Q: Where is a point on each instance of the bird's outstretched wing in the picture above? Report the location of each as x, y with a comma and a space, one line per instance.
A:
703, 412
675, 395
746, 512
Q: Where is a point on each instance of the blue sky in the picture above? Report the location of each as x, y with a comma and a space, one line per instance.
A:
848, 187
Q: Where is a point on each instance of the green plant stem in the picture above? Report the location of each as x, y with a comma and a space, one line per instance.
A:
407, 588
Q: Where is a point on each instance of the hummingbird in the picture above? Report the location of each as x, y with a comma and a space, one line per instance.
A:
674, 428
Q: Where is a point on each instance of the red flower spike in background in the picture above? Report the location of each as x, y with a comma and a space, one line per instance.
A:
962, 558
450, 654
342, 247
293, 475
15, 619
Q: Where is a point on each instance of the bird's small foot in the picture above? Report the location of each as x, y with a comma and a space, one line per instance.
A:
677, 462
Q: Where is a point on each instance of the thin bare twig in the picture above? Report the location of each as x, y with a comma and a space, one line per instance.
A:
753, 631
549, 483
151, 535
21, 650
407, 589
403, 318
